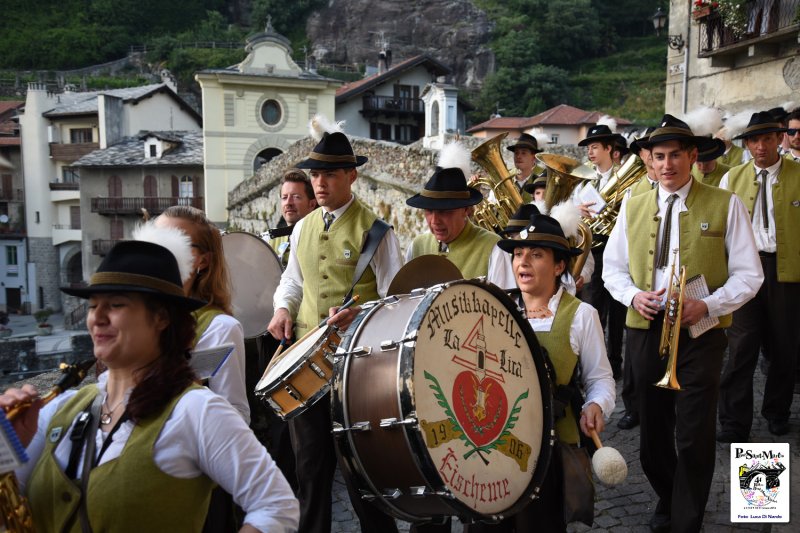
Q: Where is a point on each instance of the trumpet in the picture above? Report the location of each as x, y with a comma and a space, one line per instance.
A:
668, 347
13, 505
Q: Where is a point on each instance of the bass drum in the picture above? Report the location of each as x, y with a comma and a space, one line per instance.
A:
255, 273
441, 404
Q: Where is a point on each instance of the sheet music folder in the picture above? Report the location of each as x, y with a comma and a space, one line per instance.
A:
696, 288
206, 363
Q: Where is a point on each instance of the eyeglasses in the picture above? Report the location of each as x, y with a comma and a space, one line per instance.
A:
791, 132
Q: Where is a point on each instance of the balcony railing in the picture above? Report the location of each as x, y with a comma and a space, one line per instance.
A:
392, 104
134, 206
763, 21
65, 186
14, 195
71, 152
102, 246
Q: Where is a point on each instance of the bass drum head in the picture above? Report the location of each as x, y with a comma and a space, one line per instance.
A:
481, 394
255, 273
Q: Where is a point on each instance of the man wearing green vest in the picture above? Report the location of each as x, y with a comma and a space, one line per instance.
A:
769, 185
297, 200
325, 247
704, 229
733, 155
707, 169
447, 201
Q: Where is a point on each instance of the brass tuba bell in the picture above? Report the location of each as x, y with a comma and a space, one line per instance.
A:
494, 216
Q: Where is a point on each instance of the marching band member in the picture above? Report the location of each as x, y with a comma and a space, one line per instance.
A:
297, 200
770, 319
734, 155
525, 149
447, 203
707, 169
793, 136
571, 333
325, 247
709, 229
162, 442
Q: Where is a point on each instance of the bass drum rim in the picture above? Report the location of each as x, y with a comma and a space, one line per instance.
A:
417, 448
263, 268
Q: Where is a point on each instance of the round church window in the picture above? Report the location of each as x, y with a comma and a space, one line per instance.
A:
271, 112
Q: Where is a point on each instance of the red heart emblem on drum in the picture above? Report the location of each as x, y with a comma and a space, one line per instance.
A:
480, 406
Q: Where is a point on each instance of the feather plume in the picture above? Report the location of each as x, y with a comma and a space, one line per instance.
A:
542, 139
736, 123
606, 120
320, 125
704, 120
455, 155
569, 216
789, 106
540, 205
173, 239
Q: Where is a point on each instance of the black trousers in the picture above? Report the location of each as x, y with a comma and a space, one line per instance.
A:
770, 320
612, 313
678, 429
628, 392
315, 463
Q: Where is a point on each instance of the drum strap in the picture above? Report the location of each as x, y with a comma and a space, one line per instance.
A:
375, 235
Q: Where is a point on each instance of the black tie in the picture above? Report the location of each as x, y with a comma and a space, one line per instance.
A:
663, 253
328, 218
764, 210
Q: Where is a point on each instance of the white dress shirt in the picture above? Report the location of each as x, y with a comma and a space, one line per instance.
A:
203, 435
230, 379
385, 263
587, 340
765, 237
744, 267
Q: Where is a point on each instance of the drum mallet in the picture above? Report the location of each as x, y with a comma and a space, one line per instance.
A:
322, 324
608, 464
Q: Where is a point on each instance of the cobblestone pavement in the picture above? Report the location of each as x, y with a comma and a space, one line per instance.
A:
628, 507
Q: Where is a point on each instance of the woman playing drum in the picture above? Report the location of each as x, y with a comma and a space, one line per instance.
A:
570, 331
154, 442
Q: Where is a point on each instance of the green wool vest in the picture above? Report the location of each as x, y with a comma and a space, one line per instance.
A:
733, 157
204, 316
640, 187
712, 178
328, 262
786, 203
564, 360
702, 241
535, 173
469, 251
127, 494
275, 245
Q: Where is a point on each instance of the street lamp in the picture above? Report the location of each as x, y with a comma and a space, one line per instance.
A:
659, 20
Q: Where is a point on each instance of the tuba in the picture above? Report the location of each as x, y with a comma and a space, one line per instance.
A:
13, 505
613, 193
494, 216
668, 347
564, 174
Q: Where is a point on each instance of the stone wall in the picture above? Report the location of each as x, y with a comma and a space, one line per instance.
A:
392, 174
45, 256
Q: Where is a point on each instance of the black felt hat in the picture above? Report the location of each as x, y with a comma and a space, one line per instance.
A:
538, 183
332, 152
138, 266
673, 129
621, 144
525, 140
542, 231
778, 113
635, 146
447, 189
520, 219
712, 152
761, 122
601, 133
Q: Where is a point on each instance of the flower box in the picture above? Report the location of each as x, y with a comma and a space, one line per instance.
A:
701, 12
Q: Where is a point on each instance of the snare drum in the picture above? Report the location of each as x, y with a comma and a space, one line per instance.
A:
441, 404
255, 273
301, 375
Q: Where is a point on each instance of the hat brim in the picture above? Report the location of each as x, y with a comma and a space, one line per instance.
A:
703, 144
609, 138
441, 204
531, 187
710, 155
530, 147
755, 131
312, 164
190, 304
509, 245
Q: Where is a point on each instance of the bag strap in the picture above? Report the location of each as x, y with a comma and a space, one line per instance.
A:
375, 235
88, 461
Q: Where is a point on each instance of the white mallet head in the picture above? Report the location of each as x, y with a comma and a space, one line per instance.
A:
609, 466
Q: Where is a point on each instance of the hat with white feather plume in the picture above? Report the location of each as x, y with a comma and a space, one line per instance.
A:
602, 132
333, 149
447, 188
542, 231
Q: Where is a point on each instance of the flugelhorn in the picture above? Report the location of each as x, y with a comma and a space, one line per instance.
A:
671, 330
494, 216
613, 193
13, 505
564, 174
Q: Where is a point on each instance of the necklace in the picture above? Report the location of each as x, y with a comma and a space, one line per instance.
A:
106, 414
539, 312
